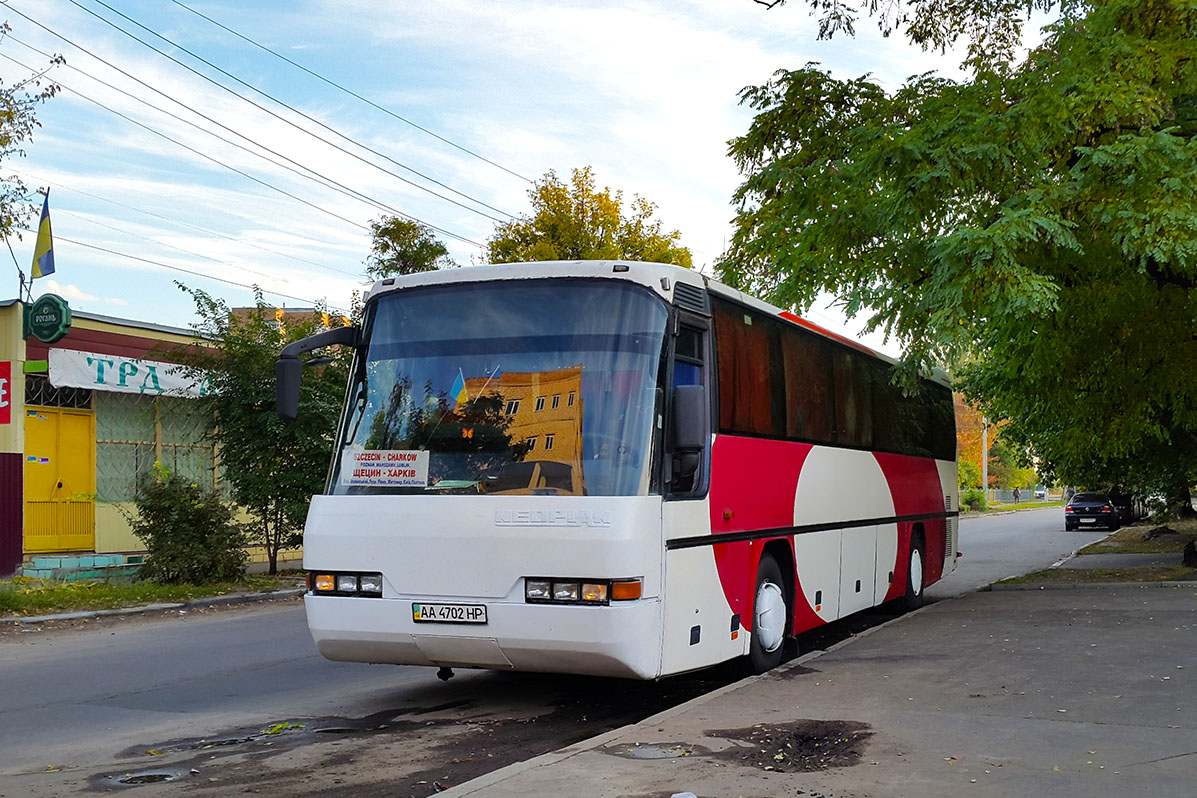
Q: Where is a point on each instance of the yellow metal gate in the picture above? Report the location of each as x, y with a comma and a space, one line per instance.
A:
60, 480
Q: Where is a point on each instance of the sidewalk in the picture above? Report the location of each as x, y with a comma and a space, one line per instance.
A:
1087, 692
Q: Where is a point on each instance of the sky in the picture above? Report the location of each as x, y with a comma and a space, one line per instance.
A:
228, 150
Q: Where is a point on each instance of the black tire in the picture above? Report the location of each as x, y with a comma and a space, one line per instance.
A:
766, 646
914, 597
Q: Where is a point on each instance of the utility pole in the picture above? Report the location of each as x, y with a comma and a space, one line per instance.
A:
985, 456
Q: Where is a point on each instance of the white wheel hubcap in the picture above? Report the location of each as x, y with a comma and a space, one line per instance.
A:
770, 616
916, 572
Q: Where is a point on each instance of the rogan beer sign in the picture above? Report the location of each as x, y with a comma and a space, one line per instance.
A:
5, 392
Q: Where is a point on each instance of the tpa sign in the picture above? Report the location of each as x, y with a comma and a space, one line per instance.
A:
71, 369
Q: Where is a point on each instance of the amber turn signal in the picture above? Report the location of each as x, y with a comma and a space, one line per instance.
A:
626, 591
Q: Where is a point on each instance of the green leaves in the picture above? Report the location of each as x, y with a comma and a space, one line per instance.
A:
578, 222
1035, 226
272, 467
401, 246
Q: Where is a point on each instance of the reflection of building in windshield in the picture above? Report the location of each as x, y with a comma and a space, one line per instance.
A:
545, 408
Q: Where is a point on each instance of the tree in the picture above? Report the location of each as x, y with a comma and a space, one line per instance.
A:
1034, 225
401, 246
969, 475
993, 28
273, 467
577, 222
17, 122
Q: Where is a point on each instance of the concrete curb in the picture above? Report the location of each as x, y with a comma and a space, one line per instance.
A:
1082, 585
210, 601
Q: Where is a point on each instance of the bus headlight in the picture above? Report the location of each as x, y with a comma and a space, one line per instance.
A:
368, 584
565, 591
543, 590
594, 591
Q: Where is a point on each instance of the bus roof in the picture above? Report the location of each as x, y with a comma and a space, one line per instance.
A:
662, 278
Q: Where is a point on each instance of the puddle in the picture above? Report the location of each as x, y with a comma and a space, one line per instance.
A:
653, 751
145, 777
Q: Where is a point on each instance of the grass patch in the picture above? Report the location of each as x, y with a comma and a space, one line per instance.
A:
1095, 576
23, 596
1129, 539
1005, 508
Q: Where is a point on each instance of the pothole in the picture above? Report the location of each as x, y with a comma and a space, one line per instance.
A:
802, 746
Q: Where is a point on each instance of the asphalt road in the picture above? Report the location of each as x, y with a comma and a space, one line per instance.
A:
1009, 544
93, 700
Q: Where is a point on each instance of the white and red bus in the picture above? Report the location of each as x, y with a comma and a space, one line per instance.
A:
613, 468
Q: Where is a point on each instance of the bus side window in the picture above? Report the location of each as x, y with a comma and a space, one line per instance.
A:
687, 370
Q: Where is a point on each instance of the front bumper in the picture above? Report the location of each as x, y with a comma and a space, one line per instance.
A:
621, 640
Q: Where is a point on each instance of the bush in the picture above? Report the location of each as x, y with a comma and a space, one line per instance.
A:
973, 499
188, 532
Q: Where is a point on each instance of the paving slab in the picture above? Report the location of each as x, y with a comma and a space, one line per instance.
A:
1087, 692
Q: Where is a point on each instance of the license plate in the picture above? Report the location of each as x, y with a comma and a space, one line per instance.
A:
1088, 520
448, 613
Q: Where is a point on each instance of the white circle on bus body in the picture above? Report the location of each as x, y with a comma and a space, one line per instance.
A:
842, 486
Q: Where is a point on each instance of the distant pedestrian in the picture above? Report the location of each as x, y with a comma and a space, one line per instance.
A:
1016, 495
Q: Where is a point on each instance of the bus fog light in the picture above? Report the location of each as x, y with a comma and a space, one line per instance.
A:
593, 591
346, 583
324, 583
565, 591
538, 590
371, 583
626, 590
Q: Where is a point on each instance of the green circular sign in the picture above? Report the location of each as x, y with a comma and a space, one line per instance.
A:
49, 318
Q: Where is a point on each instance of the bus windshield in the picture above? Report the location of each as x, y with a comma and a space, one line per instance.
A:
506, 387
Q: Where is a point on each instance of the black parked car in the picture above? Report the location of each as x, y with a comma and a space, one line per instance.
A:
1090, 509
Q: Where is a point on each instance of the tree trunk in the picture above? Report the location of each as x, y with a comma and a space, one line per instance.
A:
272, 546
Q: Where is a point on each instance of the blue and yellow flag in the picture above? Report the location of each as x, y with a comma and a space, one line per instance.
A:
43, 252
458, 391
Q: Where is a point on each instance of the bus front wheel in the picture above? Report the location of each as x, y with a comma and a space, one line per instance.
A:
770, 612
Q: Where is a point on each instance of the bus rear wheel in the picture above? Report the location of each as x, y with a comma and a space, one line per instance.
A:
770, 613
913, 599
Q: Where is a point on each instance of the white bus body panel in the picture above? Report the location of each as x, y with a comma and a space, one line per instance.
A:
481, 553
949, 477
843, 485
697, 629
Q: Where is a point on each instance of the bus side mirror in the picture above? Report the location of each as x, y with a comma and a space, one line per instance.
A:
288, 371
690, 428
689, 432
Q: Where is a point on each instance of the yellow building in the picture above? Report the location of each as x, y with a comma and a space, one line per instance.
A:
80, 420
545, 408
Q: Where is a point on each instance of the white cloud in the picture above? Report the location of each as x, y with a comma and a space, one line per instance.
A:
67, 291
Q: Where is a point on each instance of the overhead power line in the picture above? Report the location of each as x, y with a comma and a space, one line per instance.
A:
350, 92
180, 222
194, 151
186, 271
306, 172
293, 110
